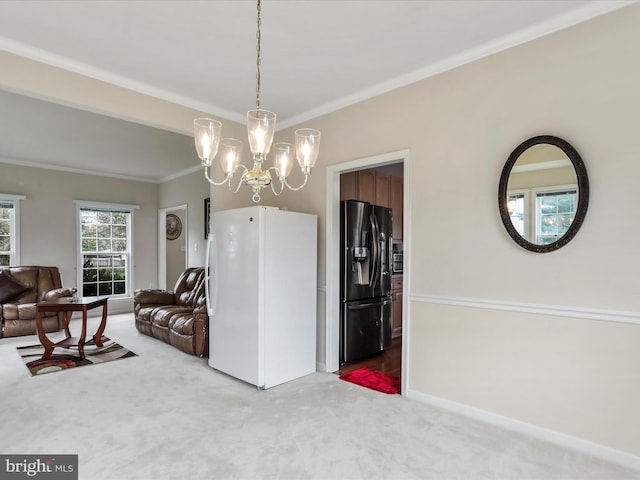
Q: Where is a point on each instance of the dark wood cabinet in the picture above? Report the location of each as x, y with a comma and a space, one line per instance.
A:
349, 186
372, 186
367, 186
360, 185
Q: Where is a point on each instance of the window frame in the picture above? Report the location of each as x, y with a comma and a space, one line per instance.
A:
537, 193
531, 211
14, 237
526, 195
104, 206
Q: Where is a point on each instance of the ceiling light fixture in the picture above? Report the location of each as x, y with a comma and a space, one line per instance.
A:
261, 126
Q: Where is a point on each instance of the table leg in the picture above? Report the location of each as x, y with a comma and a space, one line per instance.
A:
97, 338
83, 334
67, 319
46, 343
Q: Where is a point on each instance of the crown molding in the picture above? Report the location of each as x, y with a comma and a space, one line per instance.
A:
86, 171
82, 171
92, 72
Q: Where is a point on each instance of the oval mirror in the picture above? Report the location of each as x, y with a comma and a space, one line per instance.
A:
543, 193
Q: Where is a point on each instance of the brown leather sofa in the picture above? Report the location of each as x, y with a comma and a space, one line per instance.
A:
178, 318
20, 289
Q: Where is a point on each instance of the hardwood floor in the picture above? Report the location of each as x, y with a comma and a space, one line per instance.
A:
389, 361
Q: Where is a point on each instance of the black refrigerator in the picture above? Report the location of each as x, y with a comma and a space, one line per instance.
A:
365, 283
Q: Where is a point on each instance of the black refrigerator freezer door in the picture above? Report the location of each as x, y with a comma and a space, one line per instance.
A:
358, 255
365, 328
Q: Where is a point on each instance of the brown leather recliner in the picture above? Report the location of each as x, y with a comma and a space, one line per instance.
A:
178, 318
18, 314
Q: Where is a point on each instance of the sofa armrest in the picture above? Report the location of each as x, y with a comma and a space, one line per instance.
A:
201, 329
200, 308
57, 293
153, 296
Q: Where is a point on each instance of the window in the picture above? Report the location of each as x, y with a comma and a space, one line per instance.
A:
555, 212
9, 231
105, 249
542, 215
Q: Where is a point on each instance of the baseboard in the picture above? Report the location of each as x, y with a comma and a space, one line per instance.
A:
115, 306
612, 455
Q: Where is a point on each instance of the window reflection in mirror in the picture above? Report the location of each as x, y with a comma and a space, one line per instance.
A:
542, 194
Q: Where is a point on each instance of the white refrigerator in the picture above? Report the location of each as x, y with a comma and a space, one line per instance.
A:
262, 283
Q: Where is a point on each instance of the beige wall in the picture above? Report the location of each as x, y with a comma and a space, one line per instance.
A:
572, 375
176, 251
31, 78
190, 190
48, 218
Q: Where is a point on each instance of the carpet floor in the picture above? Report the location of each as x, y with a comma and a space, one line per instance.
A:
168, 415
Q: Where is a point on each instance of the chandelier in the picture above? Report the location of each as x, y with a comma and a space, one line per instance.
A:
261, 126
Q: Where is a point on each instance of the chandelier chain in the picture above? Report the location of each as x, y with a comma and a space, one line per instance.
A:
258, 58
260, 131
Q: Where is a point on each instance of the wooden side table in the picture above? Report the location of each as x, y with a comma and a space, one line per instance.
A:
67, 307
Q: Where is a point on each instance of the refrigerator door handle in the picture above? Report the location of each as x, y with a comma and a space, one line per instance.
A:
379, 252
212, 265
385, 253
206, 272
374, 251
361, 306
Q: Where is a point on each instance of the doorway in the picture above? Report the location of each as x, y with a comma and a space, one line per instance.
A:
332, 301
172, 245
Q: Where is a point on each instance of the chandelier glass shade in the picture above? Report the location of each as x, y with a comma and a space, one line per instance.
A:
261, 128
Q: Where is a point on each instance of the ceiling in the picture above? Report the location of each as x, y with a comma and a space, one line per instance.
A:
317, 56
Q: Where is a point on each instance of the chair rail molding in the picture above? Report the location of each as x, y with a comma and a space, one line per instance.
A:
540, 309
